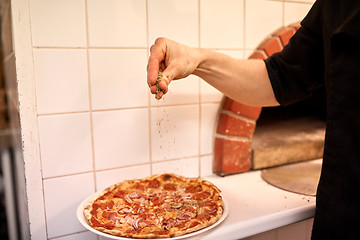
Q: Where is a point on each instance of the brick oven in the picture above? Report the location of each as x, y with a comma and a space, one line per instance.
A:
249, 138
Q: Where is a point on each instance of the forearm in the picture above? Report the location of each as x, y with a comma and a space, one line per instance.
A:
245, 81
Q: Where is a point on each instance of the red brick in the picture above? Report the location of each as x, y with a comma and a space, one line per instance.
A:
234, 126
296, 25
242, 109
271, 45
285, 34
231, 156
258, 55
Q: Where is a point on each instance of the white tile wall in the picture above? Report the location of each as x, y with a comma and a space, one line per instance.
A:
117, 23
58, 23
60, 208
98, 123
206, 165
120, 75
295, 11
61, 80
209, 112
178, 20
65, 144
222, 24
166, 123
107, 178
121, 138
267, 17
188, 167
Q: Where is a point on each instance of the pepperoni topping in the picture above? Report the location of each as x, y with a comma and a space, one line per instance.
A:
154, 183
204, 216
140, 186
119, 194
209, 205
169, 187
107, 205
193, 189
155, 201
201, 196
193, 224
94, 209
95, 223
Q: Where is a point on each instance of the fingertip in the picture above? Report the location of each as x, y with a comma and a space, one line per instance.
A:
153, 89
163, 85
159, 95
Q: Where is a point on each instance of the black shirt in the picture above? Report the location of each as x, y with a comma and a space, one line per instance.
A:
325, 51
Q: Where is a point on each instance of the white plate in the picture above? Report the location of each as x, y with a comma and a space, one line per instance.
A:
85, 223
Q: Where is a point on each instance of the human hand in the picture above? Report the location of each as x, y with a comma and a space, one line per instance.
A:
173, 60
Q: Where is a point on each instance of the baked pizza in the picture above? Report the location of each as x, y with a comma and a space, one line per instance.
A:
159, 206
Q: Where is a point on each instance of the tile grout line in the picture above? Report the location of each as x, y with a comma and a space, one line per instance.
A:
283, 13
89, 93
244, 29
127, 166
199, 92
148, 93
88, 47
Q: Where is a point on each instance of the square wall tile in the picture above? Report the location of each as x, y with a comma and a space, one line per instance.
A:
188, 167
121, 138
78, 236
118, 78
262, 18
174, 132
222, 24
209, 114
65, 144
295, 12
58, 23
184, 91
177, 20
107, 178
206, 166
61, 80
60, 208
114, 23
209, 94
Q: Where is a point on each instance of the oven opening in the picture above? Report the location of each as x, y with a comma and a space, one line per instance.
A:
290, 134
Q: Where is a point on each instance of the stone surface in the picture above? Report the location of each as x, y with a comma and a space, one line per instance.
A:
284, 141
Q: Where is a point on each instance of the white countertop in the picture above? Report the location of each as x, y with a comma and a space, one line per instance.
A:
256, 207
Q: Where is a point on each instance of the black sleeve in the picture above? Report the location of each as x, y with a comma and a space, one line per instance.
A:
299, 68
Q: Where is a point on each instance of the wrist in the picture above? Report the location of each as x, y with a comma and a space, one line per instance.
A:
203, 57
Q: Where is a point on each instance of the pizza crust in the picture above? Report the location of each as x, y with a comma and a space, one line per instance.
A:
159, 206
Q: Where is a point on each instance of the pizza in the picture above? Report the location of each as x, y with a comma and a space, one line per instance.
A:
159, 206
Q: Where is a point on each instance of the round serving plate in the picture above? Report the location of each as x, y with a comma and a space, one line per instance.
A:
85, 223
